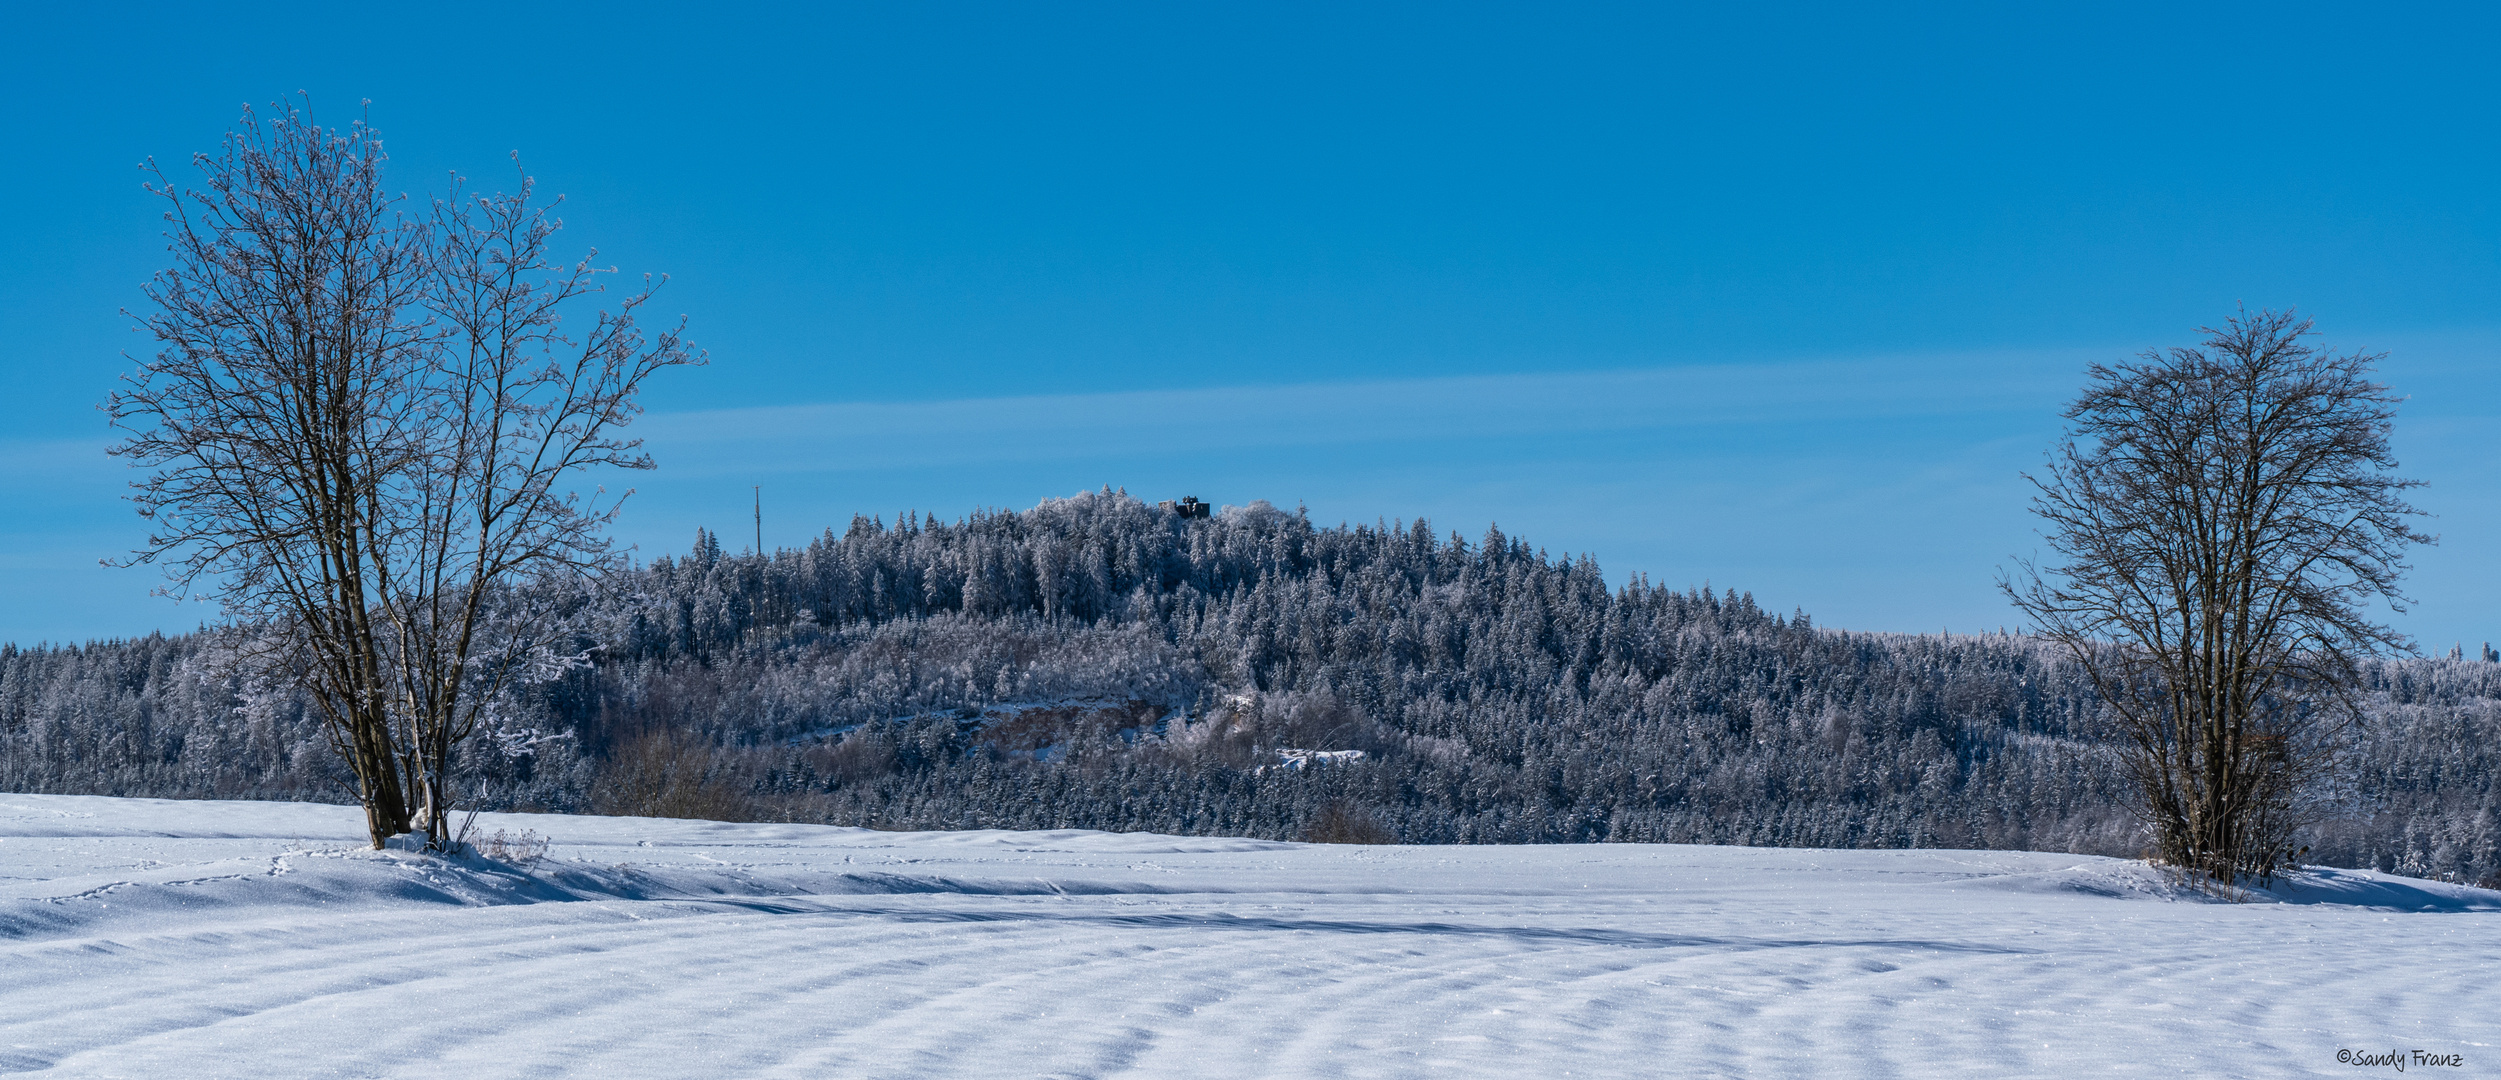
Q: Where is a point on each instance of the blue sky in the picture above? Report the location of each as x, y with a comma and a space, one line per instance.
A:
1778, 298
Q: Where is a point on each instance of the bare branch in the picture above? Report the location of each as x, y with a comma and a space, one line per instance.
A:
2221, 521
356, 427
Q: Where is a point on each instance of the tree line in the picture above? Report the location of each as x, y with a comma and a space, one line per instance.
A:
1099, 662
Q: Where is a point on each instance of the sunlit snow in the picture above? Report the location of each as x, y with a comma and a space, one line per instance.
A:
204, 939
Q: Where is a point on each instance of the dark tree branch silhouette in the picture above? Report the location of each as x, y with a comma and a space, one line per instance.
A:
511, 406
2222, 520
357, 423
279, 410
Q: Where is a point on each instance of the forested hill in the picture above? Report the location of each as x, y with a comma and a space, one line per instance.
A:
1099, 662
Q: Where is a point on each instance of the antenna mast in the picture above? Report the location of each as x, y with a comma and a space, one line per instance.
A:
759, 520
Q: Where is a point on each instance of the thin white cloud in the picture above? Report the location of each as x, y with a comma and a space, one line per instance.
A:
880, 435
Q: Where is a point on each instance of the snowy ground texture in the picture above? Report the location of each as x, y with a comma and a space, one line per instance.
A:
205, 939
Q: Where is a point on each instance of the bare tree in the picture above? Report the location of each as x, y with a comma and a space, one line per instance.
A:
512, 406
280, 407
356, 425
2223, 521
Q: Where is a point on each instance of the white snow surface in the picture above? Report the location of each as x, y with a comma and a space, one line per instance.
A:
151, 938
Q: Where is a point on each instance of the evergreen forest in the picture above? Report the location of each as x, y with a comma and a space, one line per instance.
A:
1100, 662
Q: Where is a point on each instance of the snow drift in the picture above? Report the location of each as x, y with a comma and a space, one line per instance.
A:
144, 937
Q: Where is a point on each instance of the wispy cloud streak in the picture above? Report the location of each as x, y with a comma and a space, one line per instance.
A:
1698, 400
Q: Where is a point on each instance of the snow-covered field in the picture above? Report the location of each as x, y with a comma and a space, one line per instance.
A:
204, 939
